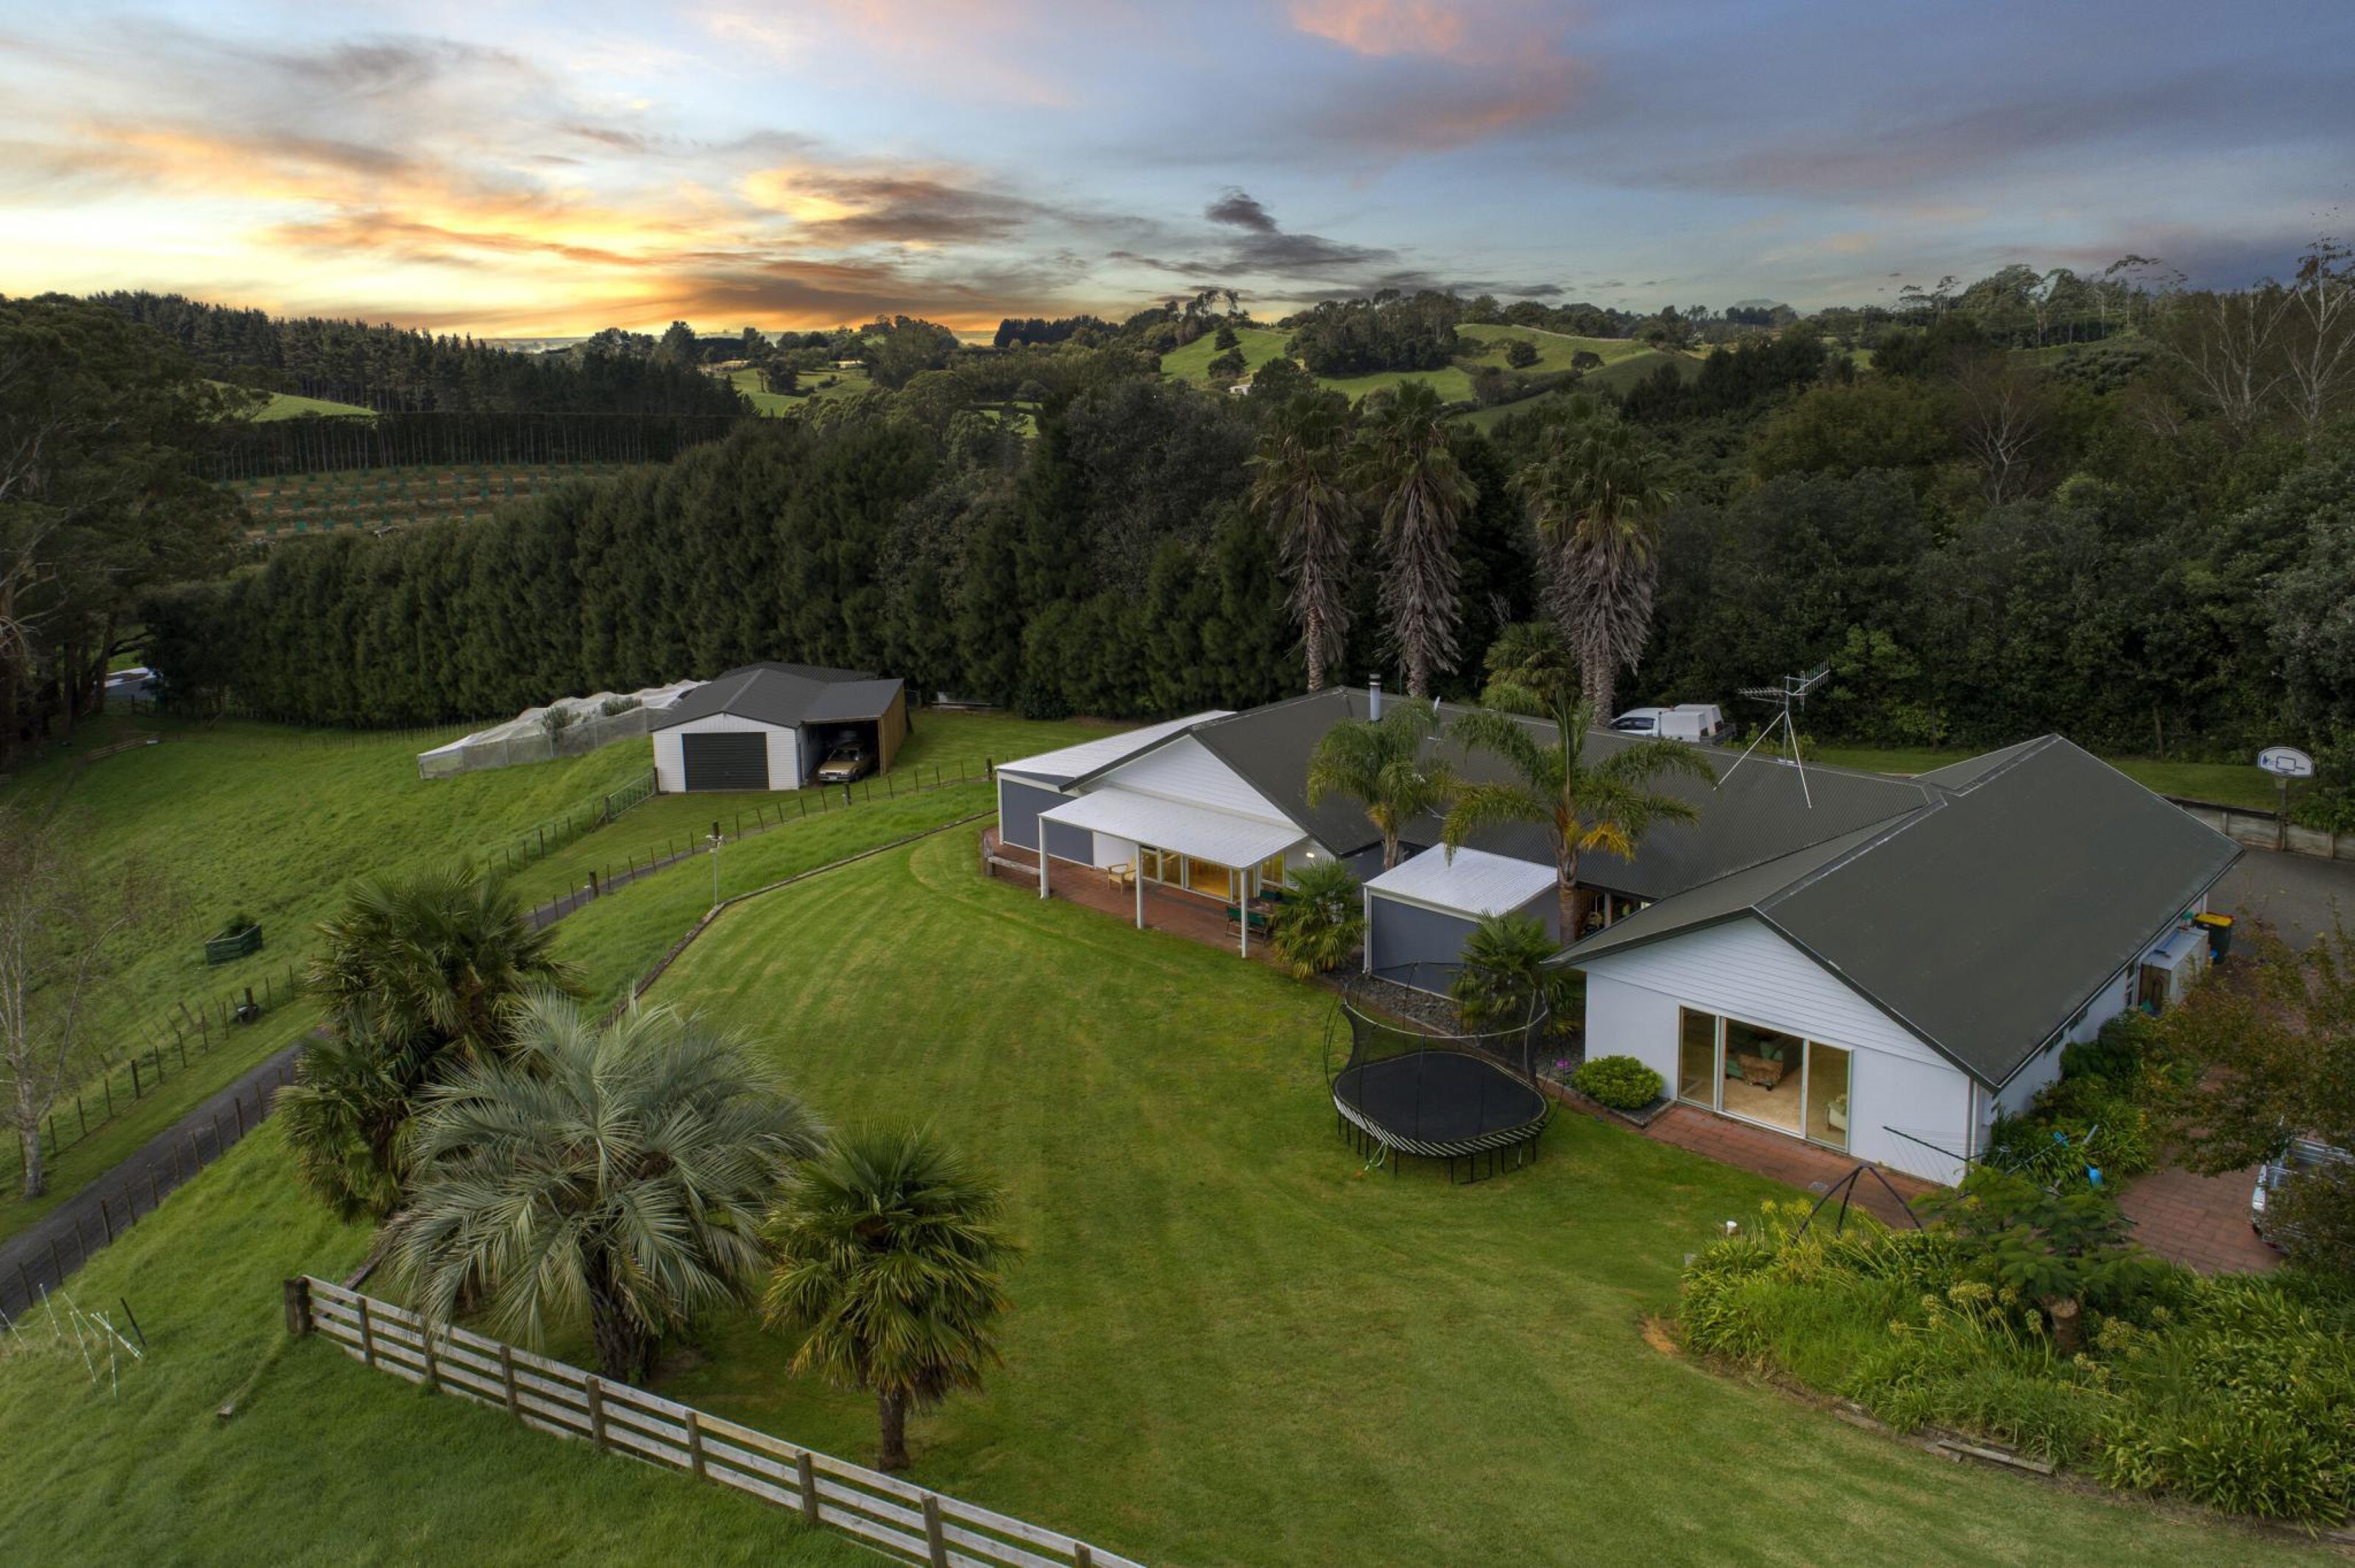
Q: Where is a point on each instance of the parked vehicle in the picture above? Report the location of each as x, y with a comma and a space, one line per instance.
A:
849, 760
2303, 1155
1699, 722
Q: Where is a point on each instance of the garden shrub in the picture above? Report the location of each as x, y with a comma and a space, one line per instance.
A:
1622, 1082
2237, 1392
1321, 919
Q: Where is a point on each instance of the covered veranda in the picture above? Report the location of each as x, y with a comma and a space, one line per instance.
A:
1167, 857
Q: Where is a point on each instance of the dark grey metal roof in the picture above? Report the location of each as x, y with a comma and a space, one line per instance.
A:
786, 694
1759, 813
1985, 919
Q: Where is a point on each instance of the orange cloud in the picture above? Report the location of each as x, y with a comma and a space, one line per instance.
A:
1380, 27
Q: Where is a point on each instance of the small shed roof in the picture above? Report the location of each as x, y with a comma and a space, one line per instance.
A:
1217, 836
1061, 767
1474, 882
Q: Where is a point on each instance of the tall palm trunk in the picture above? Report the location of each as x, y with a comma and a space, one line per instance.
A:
625, 1351
891, 1419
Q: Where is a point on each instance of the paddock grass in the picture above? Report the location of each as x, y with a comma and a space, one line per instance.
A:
2225, 783
274, 822
355, 499
1192, 363
289, 405
1231, 1346
940, 747
320, 1459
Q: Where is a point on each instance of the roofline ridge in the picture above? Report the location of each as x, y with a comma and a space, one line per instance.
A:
1880, 833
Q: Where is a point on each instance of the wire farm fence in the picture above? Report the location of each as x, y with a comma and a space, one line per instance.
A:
543, 839
732, 828
186, 1039
902, 1521
167, 1164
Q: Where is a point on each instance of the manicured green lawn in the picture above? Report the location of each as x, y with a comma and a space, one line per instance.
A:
1227, 1345
322, 1460
1230, 1346
2226, 783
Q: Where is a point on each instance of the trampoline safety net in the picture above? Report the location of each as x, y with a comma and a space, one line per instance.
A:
1420, 1080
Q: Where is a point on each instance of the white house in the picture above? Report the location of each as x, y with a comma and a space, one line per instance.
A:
1871, 964
1887, 992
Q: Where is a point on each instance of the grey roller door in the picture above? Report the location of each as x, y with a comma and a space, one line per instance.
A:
727, 759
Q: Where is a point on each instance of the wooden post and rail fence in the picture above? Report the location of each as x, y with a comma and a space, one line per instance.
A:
881, 1511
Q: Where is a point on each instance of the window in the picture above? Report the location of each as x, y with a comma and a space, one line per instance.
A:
1764, 1074
1827, 1094
1210, 876
1271, 871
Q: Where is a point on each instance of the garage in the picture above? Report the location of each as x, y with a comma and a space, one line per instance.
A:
769, 727
726, 760
1419, 911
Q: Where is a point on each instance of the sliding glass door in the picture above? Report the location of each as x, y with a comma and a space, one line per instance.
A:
1763, 1075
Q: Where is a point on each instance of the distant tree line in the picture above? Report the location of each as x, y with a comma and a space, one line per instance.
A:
1390, 331
393, 369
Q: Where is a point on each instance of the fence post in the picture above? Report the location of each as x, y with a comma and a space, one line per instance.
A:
81, 1115
596, 1410
298, 1307
106, 1219
433, 1368
695, 1445
367, 1334
805, 1473
1082, 1557
106, 1081
136, 1090
936, 1543
238, 1105
507, 1377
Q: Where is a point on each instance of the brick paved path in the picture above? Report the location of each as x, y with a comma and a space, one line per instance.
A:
2200, 1222
1778, 1159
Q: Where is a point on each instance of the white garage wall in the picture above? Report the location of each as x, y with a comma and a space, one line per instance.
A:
1743, 970
670, 758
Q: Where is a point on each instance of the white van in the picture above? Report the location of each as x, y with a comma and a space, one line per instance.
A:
1699, 722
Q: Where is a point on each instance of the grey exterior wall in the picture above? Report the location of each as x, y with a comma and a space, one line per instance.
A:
1421, 941
1070, 843
1018, 806
1367, 863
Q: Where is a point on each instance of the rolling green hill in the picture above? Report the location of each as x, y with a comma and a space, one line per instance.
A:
1625, 361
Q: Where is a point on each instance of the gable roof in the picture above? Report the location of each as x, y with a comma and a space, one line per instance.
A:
1089, 758
1988, 918
787, 695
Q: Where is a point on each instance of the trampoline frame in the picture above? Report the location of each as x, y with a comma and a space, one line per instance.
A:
1476, 1157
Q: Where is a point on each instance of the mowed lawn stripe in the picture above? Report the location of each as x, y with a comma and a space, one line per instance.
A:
1230, 1347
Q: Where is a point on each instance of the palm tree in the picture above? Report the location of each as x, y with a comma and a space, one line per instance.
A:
1406, 467
1386, 764
1297, 487
1608, 804
1321, 919
347, 1118
616, 1172
1595, 500
889, 1267
433, 961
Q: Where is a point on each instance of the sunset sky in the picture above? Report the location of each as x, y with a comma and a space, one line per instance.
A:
514, 168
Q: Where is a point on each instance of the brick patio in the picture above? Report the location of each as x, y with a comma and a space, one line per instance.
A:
1778, 1159
2199, 1222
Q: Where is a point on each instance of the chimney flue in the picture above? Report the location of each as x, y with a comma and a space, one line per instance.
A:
1374, 697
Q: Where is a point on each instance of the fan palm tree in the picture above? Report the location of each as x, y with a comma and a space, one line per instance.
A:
1297, 487
1386, 764
1321, 919
891, 1259
1608, 804
1595, 500
1406, 468
433, 961
347, 1118
618, 1173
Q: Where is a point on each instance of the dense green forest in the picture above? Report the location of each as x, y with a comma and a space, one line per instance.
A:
2142, 538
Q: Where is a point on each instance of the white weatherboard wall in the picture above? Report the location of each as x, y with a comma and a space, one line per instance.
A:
1185, 771
1742, 969
670, 755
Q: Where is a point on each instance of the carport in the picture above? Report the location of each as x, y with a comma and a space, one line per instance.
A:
1420, 913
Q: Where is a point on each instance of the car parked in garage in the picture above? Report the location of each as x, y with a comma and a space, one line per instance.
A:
848, 760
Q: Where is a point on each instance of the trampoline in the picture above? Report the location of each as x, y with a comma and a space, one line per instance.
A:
1419, 1082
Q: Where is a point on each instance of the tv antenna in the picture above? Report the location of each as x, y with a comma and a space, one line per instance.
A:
1788, 696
